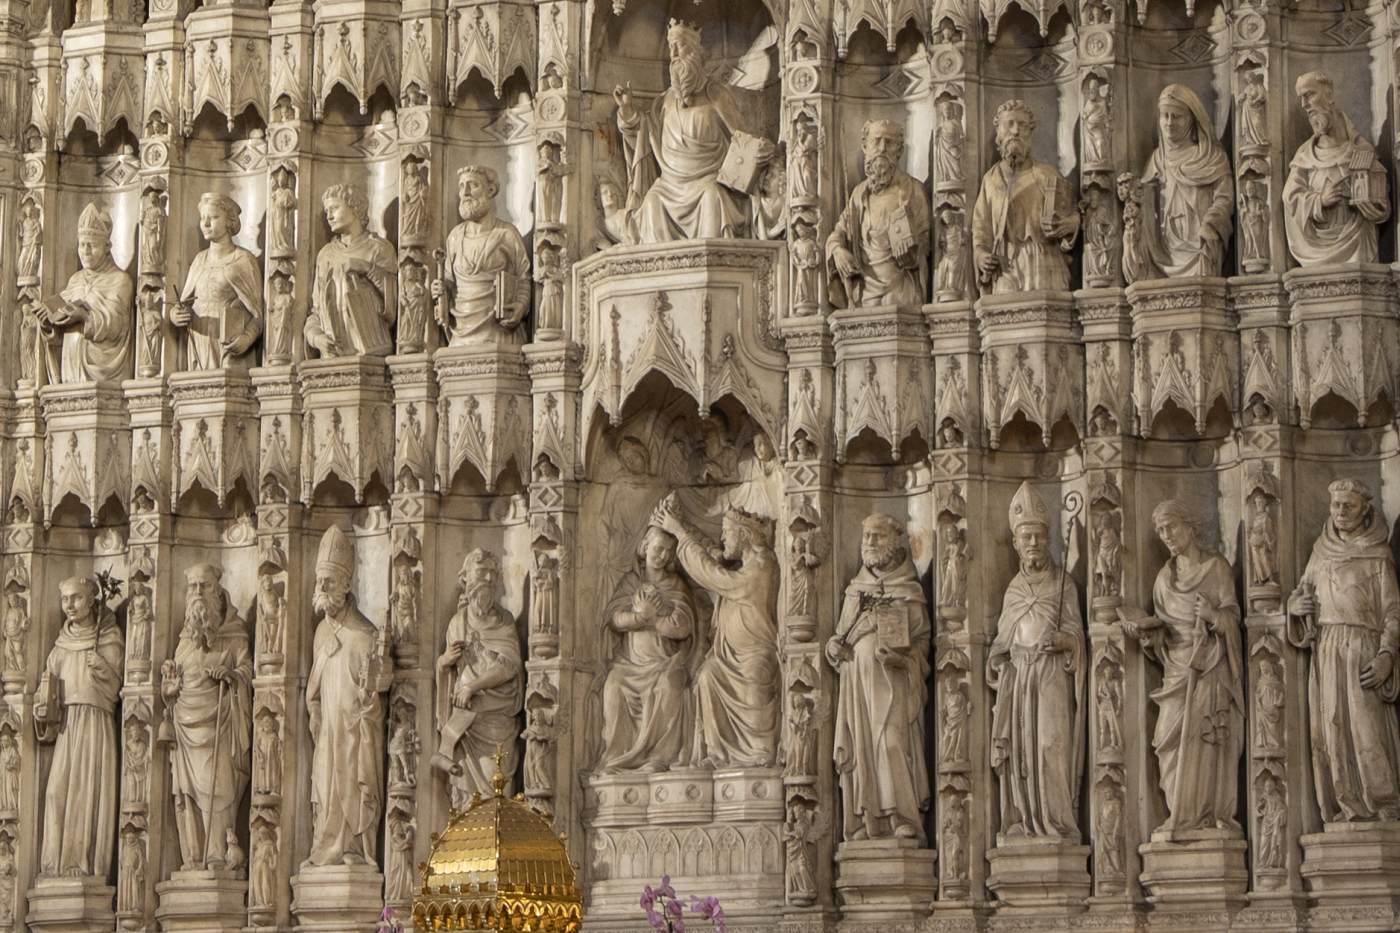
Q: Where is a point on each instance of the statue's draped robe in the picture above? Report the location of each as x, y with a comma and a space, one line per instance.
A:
1200, 705
647, 712
736, 688
674, 154
227, 292
1187, 189
864, 230
347, 767
1006, 222
1346, 231
210, 760
99, 349
356, 312
489, 642
477, 261
80, 796
1354, 732
879, 744
1038, 718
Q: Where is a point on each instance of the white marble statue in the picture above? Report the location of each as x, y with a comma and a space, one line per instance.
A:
350, 669
879, 248
1195, 635
75, 708
1336, 192
481, 683
736, 686
691, 158
9, 771
221, 305
881, 655
652, 649
87, 326
1346, 609
281, 224
1036, 666
1024, 223
354, 296
486, 272
208, 686
1186, 193
31, 240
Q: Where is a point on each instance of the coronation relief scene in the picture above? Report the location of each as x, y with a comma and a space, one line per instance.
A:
877, 462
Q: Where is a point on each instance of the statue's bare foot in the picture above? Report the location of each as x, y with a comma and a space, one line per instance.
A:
905, 831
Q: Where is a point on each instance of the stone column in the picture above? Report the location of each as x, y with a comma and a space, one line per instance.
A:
282, 639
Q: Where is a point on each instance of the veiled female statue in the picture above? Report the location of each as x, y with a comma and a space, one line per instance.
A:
651, 621
1195, 636
1187, 194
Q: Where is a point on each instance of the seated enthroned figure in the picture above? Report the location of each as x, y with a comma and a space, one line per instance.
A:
691, 158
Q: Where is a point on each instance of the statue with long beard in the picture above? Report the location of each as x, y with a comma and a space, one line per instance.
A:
349, 671
880, 652
209, 686
481, 683
675, 153
879, 248
1023, 225
487, 271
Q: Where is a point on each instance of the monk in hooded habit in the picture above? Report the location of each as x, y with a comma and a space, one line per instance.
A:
88, 324
1336, 191
1036, 667
736, 686
350, 669
1024, 224
675, 152
879, 248
1187, 195
651, 635
880, 652
1346, 608
75, 708
481, 683
354, 297
1195, 636
209, 686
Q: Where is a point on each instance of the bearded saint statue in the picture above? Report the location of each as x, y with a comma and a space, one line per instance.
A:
676, 152
209, 686
878, 250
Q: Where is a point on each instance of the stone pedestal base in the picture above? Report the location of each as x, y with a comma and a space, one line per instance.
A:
1045, 875
885, 879
202, 902
1353, 872
1204, 870
71, 905
338, 899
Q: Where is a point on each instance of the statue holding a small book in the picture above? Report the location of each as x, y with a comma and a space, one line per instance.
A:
1024, 224
880, 652
1194, 633
878, 251
1336, 191
483, 289
692, 162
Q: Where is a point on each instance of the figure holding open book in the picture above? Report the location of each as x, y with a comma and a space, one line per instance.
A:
691, 162
1336, 191
1025, 222
87, 326
481, 683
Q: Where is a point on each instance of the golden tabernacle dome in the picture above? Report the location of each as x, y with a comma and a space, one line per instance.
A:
498, 866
